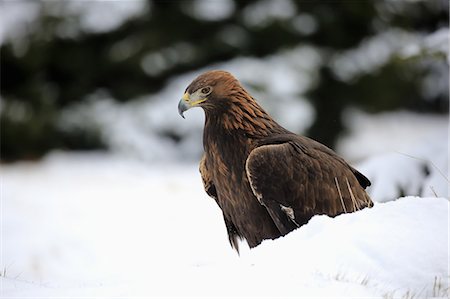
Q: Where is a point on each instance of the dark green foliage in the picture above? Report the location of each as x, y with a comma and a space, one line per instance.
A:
54, 71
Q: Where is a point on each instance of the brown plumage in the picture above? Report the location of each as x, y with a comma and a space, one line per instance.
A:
267, 180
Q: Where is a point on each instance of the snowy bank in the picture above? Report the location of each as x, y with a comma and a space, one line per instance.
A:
95, 225
400, 245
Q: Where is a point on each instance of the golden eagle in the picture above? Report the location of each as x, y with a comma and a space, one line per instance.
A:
267, 180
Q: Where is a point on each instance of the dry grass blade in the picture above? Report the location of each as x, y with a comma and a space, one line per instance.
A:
352, 196
340, 194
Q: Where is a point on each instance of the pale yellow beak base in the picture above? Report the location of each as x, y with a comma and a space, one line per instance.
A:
186, 103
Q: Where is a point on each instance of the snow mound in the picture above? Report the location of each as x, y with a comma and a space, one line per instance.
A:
400, 245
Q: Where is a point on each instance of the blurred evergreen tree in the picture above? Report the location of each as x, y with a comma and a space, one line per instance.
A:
53, 71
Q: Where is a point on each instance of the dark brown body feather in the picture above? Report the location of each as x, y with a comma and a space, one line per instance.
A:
267, 180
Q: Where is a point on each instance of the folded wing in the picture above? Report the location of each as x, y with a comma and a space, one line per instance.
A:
296, 179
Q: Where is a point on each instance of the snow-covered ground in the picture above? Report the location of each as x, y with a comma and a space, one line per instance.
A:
84, 225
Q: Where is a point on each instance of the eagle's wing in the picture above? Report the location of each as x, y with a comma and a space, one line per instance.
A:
208, 184
210, 188
295, 182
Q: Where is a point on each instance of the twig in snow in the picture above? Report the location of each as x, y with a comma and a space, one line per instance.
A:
428, 161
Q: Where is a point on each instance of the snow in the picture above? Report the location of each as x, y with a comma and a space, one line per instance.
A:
97, 16
438, 41
382, 244
264, 12
83, 225
376, 51
211, 10
304, 24
392, 144
18, 18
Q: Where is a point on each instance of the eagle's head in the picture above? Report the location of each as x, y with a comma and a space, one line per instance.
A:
227, 104
210, 91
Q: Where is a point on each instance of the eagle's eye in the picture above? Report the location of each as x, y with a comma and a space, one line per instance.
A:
206, 90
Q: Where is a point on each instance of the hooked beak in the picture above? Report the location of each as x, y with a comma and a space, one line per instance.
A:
183, 105
186, 103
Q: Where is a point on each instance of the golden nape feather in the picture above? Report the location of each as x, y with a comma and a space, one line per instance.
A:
267, 180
